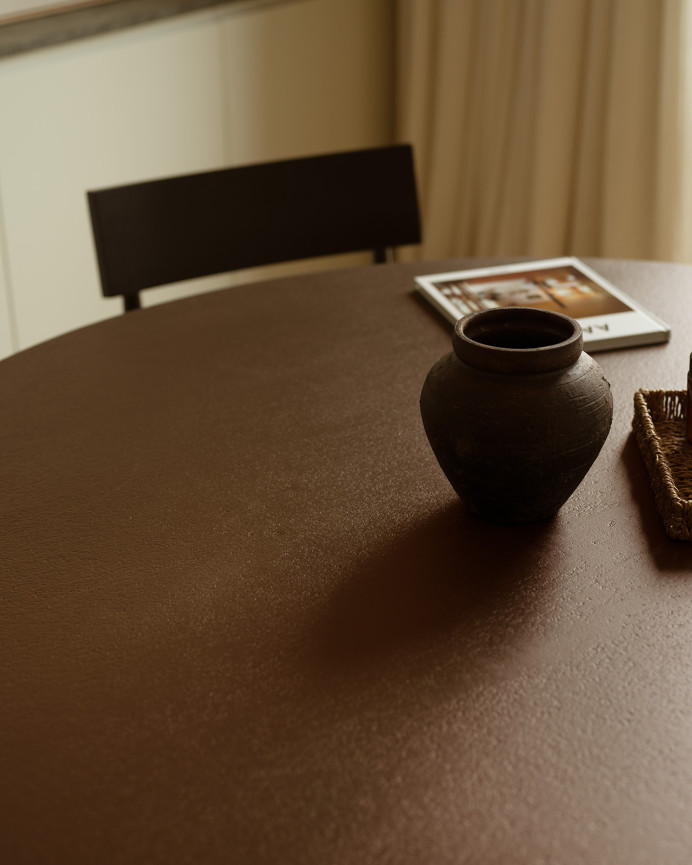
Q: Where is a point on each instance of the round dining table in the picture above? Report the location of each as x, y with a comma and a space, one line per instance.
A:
244, 618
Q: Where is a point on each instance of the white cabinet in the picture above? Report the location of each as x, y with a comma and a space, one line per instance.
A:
8, 340
236, 84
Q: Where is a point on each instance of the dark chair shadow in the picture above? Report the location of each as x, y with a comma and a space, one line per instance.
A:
670, 555
451, 574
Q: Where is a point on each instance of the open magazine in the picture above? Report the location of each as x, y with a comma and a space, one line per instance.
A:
609, 318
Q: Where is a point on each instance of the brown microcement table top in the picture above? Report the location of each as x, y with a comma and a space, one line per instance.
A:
244, 618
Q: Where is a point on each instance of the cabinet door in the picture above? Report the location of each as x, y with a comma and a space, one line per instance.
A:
7, 343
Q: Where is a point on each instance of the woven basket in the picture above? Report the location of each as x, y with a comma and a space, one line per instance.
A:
659, 427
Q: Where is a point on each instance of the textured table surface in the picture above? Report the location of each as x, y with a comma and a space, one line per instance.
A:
243, 617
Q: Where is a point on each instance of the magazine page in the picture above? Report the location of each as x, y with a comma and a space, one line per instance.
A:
609, 318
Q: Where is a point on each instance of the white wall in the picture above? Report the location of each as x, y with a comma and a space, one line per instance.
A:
8, 334
231, 85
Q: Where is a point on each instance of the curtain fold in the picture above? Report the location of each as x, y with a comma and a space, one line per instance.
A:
549, 127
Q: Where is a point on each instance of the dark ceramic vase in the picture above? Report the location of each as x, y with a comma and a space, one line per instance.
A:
517, 413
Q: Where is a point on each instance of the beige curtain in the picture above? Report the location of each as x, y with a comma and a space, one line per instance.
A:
549, 127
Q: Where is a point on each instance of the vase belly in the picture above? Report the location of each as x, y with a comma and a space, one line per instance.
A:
515, 447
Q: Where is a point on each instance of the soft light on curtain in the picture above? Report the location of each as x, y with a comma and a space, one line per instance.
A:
549, 127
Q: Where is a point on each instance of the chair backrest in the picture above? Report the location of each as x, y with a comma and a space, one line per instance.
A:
164, 231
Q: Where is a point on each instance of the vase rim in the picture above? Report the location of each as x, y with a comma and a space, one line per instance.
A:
518, 340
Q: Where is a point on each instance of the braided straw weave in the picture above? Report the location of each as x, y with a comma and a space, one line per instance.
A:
659, 427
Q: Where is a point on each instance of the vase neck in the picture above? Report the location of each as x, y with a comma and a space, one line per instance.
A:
518, 340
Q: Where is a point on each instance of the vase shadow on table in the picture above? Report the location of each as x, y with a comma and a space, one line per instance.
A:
670, 555
452, 577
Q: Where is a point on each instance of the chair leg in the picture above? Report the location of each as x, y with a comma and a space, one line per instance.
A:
131, 302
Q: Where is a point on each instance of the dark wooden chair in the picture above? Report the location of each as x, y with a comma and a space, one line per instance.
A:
164, 231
